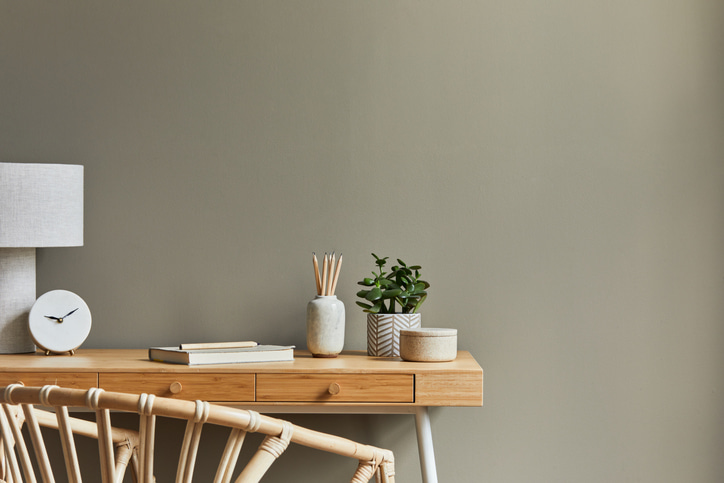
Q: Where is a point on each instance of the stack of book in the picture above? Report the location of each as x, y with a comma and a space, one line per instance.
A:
221, 353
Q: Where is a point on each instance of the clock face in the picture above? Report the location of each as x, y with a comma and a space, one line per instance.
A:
59, 321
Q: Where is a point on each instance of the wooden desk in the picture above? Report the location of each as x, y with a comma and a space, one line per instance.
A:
351, 383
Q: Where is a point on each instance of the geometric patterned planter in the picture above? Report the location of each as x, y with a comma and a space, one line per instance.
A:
383, 332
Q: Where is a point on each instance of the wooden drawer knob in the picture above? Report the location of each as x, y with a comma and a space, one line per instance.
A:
334, 388
175, 387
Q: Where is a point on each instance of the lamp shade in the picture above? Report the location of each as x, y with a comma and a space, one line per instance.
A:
41, 205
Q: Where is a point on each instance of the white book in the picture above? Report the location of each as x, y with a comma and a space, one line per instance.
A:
260, 353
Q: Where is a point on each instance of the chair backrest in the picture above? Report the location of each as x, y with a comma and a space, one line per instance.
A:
12, 417
32, 406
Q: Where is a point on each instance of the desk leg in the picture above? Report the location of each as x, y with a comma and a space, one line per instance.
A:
424, 445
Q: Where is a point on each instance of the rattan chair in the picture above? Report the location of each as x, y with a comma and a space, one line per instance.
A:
125, 440
24, 403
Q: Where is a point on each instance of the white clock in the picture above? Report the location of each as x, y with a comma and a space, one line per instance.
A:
59, 321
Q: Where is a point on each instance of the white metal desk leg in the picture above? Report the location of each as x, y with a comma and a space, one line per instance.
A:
424, 445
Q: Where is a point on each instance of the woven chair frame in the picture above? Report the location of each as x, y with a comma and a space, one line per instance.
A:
22, 405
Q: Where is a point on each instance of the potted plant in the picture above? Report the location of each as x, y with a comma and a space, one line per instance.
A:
391, 300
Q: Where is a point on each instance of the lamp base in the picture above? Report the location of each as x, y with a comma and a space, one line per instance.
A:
17, 296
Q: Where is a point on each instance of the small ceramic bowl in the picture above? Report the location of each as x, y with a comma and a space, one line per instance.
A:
428, 344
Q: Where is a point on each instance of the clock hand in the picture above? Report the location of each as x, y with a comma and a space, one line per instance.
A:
66, 315
60, 319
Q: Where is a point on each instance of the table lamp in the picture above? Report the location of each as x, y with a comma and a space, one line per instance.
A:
41, 205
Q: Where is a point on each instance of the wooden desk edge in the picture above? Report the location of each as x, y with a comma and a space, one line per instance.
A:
461, 380
136, 360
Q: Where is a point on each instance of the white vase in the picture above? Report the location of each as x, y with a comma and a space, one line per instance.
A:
383, 332
325, 326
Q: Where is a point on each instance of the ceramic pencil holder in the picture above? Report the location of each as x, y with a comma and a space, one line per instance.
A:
325, 326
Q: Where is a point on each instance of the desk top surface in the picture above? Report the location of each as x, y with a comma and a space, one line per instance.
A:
136, 360
455, 383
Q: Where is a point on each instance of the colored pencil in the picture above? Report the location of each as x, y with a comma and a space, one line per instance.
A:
336, 274
316, 273
324, 274
330, 276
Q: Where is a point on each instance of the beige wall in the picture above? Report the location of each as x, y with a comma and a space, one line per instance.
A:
556, 167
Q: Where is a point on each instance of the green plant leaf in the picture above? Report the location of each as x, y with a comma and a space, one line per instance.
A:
380, 262
420, 287
388, 294
419, 302
385, 282
403, 279
400, 286
374, 294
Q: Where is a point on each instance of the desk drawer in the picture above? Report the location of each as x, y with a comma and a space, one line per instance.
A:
362, 388
77, 380
206, 387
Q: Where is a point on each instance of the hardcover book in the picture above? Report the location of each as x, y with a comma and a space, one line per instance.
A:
260, 353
